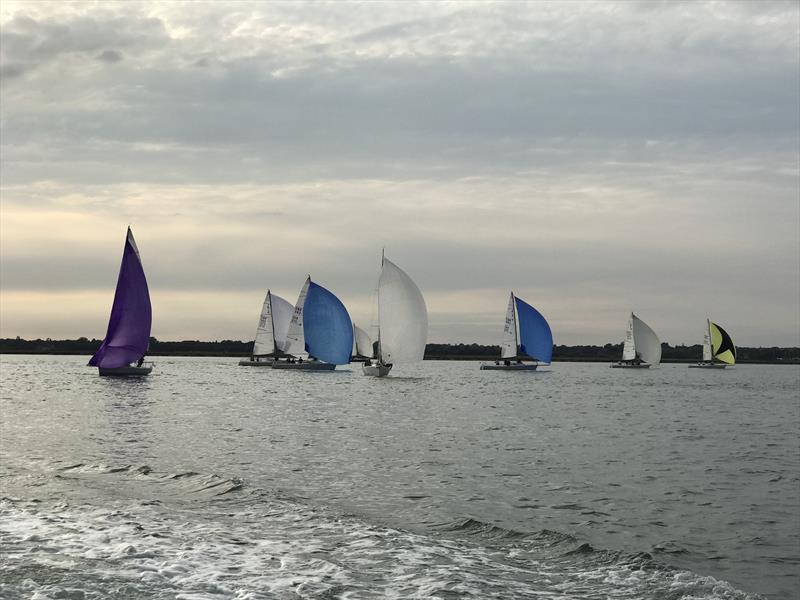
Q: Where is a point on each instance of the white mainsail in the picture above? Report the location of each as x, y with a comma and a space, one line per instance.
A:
272, 325
265, 340
508, 345
707, 343
647, 344
402, 316
362, 344
295, 340
629, 349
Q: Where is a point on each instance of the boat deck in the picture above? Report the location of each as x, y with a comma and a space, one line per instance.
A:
511, 367
303, 366
125, 371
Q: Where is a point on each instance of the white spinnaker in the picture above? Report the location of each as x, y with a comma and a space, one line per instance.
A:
402, 316
361, 342
648, 346
264, 343
707, 343
629, 348
295, 339
281, 317
508, 345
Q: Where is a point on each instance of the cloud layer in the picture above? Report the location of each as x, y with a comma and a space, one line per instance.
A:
596, 158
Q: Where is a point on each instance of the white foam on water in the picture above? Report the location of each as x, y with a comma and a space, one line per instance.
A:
289, 550
285, 550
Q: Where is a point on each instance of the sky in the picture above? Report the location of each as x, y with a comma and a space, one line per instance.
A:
596, 158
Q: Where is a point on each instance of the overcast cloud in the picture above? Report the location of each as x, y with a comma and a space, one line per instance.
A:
596, 158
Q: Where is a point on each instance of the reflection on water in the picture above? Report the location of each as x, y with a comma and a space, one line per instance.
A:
128, 416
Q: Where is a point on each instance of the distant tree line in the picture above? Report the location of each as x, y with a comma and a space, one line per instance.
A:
607, 352
610, 352
86, 346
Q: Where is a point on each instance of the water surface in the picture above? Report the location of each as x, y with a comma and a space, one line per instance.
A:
211, 480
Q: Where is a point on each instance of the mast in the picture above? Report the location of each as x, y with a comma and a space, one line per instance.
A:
272, 321
516, 324
379, 353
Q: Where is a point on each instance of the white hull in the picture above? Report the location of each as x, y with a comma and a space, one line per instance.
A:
124, 371
306, 365
376, 369
264, 362
629, 365
708, 366
509, 367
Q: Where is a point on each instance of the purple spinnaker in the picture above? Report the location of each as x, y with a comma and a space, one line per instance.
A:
128, 334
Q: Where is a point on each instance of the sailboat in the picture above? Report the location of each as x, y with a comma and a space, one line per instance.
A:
526, 337
362, 345
128, 335
718, 348
320, 334
273, 325
642, 347
402, 321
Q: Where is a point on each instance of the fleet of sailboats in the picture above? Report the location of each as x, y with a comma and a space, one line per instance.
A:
718, 349
641, 349
317, 333
527, 339
128, 336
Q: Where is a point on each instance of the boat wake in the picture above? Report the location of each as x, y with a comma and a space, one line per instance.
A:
189, 534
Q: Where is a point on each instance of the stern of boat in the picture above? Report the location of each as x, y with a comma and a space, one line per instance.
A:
129, 371
499, 366
376, 369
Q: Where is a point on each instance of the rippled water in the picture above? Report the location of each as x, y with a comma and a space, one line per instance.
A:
211, 480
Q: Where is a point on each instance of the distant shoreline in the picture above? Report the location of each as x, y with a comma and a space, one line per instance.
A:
454, 357
477, 352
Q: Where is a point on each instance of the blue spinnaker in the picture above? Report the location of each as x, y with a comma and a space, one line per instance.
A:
327, 325
128, 334
535, 337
